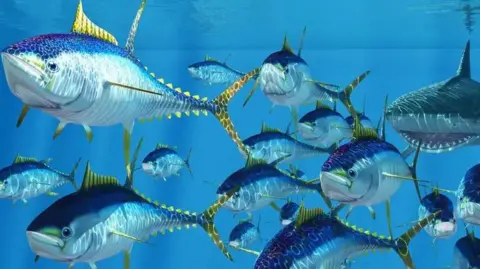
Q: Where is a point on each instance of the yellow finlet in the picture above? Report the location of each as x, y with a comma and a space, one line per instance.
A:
161, 80
187, 93
169, 85
92, 179
83, 25
178, 114
196, 112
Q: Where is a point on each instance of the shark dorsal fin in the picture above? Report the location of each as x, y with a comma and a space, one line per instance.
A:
92, 179
464, 68
267, 129
21, 159
133, 29
286, 46
321, 105
305, 215
253, 162
83, 25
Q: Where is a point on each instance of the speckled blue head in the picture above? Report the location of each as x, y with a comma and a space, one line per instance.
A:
157, 154
444, 225
38, 68
467, 253
434, 202
283, 58
243, 234
289, 213
356, 168
319, 113
470, 185
61, 230
269, 146
364, 121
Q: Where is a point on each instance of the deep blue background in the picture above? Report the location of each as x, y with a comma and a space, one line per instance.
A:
405, 50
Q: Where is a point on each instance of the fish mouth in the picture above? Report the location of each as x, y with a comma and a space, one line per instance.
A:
286, 222
445, 229
147, 167
337, 188
275, 81
234, 244
27, 81
40, 238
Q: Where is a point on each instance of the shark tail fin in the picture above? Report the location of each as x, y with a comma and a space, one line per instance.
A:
219, 109
403, 241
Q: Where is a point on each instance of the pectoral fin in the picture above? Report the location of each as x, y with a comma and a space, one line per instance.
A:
23, 114
51, 193
275, 206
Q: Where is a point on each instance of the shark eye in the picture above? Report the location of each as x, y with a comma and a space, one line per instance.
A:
67, 232
52, 66
352, 173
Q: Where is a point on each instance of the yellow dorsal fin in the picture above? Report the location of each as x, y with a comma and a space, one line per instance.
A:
92, 179
162, 146
253, 162
267, 129
21, 159
305, 215
83, 25
321, 105
286, 46
209, 59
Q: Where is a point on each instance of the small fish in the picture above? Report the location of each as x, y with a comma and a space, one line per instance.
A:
289, 213
27, 178
364, 120
319, 240
324, 126
442, 115
286, 81
444, 225
214, 72
164, 161
104, 218
260, 184
272, 144
84, 77
466, 253
468, 196
367, 170
244, 234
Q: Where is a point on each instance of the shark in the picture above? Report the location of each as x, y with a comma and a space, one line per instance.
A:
443, 116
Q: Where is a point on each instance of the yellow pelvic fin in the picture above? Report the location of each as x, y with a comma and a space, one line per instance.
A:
61, 125
83, 25
92, 179
89, 132
22, 116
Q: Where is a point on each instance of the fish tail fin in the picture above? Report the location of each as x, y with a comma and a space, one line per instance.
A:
187, 162
402, 242
72, 174
206, 221
220, 107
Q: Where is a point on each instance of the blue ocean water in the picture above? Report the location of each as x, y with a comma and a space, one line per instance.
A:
404, 49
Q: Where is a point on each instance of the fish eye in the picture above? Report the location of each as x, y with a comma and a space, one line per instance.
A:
67, 232
352, 173
52, 66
